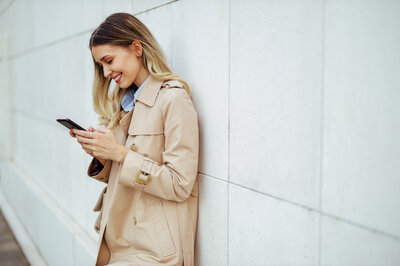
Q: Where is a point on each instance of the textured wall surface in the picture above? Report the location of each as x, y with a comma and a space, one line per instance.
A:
298, 106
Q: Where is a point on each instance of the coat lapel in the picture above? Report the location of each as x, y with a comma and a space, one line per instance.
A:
149, 92
125, 121
146, 97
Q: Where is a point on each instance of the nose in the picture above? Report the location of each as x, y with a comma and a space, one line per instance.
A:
106, 71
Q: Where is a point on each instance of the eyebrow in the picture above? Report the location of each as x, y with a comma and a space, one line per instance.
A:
101, 59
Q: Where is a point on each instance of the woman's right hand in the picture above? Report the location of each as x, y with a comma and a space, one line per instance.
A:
72, 134
90, 129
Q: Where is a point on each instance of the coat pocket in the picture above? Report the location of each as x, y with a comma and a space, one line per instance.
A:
195, 190
99, 208
97, 224
99, 202
161, 229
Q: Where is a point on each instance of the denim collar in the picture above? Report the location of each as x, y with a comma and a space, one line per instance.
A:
128, 101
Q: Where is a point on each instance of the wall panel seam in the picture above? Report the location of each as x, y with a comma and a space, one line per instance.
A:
7, 7
342, 219
51, 43
33, 116
229, 126
321, 163
361, 226
213, 177
151, 9
53, 206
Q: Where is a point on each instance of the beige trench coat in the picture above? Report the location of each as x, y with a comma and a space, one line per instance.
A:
148, 210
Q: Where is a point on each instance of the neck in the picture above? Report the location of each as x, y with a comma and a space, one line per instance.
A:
142, 75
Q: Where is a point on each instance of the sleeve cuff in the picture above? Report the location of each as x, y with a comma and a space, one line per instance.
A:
99, 172
135, 171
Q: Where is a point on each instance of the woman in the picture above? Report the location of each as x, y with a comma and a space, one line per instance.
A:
147, 153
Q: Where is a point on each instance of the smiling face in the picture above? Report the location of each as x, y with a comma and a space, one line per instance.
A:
123, 64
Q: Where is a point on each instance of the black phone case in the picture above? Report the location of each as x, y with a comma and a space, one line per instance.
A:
68, 123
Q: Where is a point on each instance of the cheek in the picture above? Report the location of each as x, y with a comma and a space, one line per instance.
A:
136, 64
133, 67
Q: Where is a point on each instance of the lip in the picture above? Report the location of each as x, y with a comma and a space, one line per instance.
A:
117, 78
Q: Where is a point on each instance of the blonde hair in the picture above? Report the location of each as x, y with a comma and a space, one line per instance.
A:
122, 29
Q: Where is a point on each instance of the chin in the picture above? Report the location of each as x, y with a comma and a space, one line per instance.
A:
123, 86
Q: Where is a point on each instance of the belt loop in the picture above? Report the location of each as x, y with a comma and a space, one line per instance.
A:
146, 166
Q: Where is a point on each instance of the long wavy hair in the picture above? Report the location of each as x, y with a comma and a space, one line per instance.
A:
122, 29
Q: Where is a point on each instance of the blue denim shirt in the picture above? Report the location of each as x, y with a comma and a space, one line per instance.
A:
128, 102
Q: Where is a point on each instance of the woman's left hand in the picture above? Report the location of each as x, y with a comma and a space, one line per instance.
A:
101, 144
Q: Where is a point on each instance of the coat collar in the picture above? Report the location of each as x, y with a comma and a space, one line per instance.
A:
148, 97
150, 90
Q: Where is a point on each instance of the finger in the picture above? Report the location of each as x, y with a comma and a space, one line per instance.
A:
89, 152
71, 133
91, 129
88, 148
83, 140
83, 133
102, 130
79, 132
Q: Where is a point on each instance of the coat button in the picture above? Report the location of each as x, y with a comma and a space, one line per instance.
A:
133, 147
134, 220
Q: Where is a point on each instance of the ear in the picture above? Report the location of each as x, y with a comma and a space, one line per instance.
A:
136, 46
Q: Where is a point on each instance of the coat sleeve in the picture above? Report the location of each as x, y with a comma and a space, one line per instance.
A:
174, 179
98, 171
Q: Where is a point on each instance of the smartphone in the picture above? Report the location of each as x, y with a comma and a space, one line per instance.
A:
68, 123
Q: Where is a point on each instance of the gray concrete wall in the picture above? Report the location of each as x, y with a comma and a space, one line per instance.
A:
298, 104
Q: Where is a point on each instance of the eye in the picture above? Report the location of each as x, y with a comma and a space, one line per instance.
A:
109, 61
